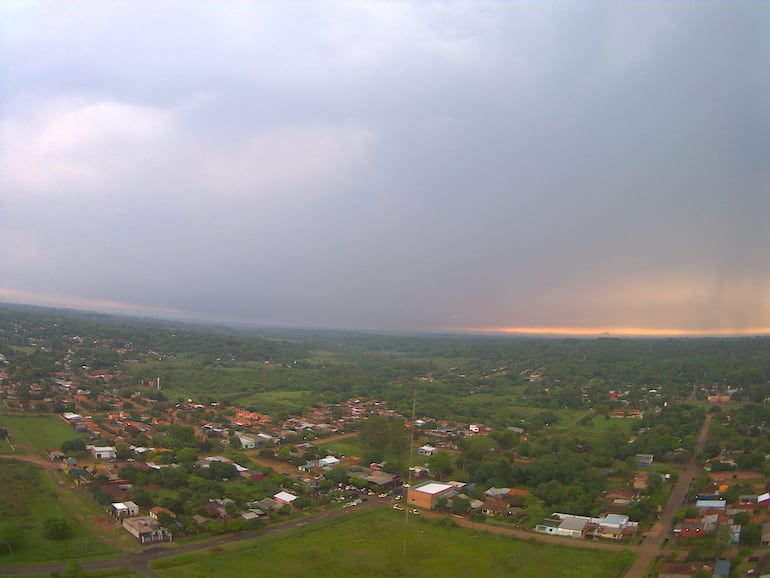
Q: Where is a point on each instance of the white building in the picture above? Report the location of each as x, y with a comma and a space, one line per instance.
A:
124, 509
284, 497
328, 462
426, 450
103, 452
573, 527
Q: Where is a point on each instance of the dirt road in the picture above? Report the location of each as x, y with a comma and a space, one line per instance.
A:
648, 550
660, 531
281, 466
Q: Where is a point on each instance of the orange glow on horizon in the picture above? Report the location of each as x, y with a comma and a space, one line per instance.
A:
617, 331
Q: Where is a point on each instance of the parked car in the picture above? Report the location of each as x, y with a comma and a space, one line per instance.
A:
398, 507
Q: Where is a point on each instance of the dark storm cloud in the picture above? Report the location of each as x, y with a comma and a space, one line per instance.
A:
390, 165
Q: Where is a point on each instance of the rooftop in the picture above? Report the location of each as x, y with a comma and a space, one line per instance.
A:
433, 488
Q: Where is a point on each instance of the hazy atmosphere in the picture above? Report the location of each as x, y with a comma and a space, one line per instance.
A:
434, 166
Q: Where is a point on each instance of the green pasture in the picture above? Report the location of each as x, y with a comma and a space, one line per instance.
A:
276, 402
321, 356
5, 448
267, 389
383, 542
28, 496
350, 446
37, 433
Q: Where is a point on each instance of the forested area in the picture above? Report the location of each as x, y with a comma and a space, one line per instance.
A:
464, 378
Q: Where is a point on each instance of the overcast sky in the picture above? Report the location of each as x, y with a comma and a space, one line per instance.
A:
390, 165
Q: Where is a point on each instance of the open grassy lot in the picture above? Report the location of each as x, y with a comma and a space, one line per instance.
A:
380, 543
37, 433
348, 446
28, 498
265, 388
5, 448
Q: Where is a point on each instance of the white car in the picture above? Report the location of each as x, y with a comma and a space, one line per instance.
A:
398, 507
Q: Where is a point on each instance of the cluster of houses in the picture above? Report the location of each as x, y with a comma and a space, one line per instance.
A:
498, 501
146, 529
611, 527
250, 430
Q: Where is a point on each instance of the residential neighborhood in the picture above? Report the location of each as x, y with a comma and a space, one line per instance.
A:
164, 466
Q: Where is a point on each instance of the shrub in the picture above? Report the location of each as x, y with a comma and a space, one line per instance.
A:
57, 528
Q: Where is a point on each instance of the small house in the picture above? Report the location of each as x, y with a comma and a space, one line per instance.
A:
103, 452
328, 462
247, 442
644, 460
284, 497
124, 509
156, 510
548, 526
146, 529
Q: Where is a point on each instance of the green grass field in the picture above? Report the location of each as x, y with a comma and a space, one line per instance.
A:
380, 543
27, 498
37, 433
5, 448
348, 447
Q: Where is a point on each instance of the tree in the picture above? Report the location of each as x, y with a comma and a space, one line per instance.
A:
57, 528
383, 437
533, 510
440, 464
751, 535
461, 505
303, 502
72, 446
219, 471
142, 498
73, 570
477, 449
654, 482
284, 453
166, 520
742, 518
338, 475
172, 477
187, 455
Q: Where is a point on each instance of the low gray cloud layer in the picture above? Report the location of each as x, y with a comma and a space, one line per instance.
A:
390, 165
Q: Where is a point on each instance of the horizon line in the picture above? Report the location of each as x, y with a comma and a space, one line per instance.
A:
618, 331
